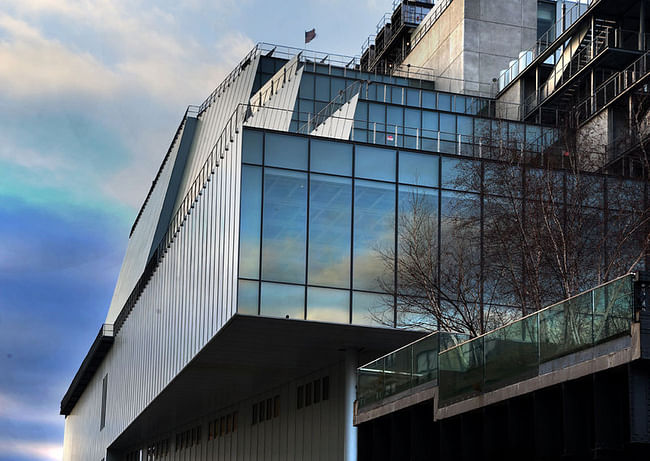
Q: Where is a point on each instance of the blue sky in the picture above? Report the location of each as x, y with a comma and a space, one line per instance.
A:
91, 93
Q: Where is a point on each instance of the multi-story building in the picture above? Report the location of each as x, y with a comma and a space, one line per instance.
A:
261, 269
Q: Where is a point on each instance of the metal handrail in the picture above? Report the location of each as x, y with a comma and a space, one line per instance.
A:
550, 36
612, 88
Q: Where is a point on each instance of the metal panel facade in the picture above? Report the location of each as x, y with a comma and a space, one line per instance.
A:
191, 294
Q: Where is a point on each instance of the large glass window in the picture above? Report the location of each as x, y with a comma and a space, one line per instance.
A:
252, 147
545, 17
328, 305
373, 309
286, 151
307, 86
285, 226
250, 222
322, 88
247, 297
417, 238
285, 301
330, 203
460, 257
461, 174
375, 163
331, 157
418, 169
374, 234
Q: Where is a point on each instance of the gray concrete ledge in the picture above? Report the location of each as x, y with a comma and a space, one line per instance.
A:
410, 397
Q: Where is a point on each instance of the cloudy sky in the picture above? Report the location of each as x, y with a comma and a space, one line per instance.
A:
91, 92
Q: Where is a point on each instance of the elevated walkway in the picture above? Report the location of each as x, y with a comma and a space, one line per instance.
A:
586, 334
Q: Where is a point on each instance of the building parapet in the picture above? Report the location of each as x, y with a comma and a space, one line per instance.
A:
100, 347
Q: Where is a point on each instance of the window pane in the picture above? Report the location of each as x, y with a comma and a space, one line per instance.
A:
286, 151
285, 226
328, 305
322, 88
279, 300
465, 125
252, 147
307, 86
329, 231
372, 309
461, 174
396, 95
394, 116
374, 234
418, 169
447, 123
250, 222
247, 297
417, 240
331, 157
338, 85
376, 113
429, 100
444, 101
374, 163
413, 97
460, 245
429, 121
412, 118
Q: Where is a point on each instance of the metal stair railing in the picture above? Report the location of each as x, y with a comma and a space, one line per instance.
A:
613, 88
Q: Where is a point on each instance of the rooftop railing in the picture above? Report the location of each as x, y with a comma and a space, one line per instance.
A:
406, 368
521, 349
543, 150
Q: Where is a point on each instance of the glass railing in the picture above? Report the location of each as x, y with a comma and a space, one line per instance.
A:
403, 369
524, 348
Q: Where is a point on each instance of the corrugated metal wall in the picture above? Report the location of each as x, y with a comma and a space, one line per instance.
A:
213, 120
313, 432
140, 241
189, 297
339, 124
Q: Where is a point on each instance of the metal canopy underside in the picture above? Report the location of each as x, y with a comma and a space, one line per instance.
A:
249, 355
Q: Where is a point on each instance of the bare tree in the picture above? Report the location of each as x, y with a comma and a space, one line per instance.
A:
534, 235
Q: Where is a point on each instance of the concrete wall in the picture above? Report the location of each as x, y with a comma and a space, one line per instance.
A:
474, 39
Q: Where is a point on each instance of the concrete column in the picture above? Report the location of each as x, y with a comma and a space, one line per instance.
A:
350, 395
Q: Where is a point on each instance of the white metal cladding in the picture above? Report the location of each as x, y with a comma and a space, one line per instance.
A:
272, 106
137, 250
339, 124
212, 122
312, 433
189, 297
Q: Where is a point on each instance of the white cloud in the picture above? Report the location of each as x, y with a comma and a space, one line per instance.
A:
14, 409
30, 449
125, 47
34, 66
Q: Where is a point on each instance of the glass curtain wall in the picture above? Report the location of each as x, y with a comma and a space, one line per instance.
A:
325, 223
